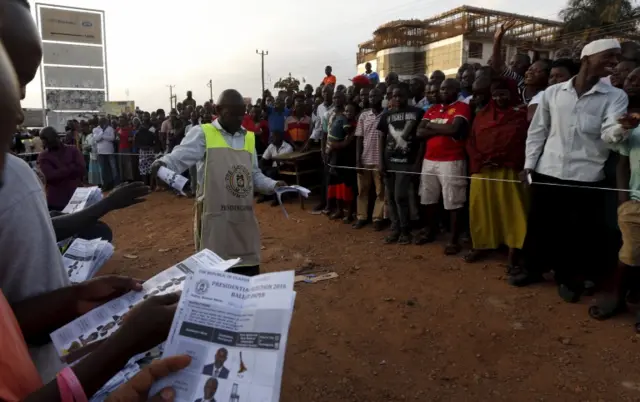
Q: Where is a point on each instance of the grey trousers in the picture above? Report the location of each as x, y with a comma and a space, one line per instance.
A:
397, 195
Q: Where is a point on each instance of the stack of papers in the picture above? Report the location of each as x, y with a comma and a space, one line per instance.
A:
303, 191
101, 322
235, 329
82, 198
84, 258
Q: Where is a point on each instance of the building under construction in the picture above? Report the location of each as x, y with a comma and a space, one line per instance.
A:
446, 41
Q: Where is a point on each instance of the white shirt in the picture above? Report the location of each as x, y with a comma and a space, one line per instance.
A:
31, 261
272, 151
565, 138
192, 151
321, 111
536, 98
104, 139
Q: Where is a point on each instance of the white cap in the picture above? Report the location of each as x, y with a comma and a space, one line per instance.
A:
598, 46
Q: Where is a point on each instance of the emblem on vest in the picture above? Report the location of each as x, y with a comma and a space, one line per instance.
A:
238, 181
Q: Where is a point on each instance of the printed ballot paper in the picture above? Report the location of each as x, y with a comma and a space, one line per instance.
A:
235, 329
303, 191
84, 258
173, 179
101, 322
82, 198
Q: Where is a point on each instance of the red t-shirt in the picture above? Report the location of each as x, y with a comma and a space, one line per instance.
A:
124, 135
443, 148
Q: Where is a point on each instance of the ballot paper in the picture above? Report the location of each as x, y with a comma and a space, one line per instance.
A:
133, 367
82, 198
235, 329
303, 191
84, 258
173, 179
101, 322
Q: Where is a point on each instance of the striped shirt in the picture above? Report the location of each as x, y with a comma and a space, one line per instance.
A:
368, 129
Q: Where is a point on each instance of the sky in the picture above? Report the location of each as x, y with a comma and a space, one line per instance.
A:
152, 44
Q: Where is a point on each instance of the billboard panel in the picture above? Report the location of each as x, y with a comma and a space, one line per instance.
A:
58, 120
117, 108
72, 77
72, 55
33, 117
65, 99
70, 25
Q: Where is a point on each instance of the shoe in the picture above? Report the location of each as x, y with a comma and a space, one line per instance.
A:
318, 210
378, 226
424, 237
360, 223
392, 238
404, 239
570, 294
521, 278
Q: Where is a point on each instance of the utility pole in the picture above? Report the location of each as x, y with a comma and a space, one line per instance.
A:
210, 85
262, 53
171, 96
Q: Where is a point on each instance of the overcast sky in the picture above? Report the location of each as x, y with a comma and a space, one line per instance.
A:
151, 44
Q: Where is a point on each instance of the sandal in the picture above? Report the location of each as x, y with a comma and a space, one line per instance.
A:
424, 237
474, 256
404, 239
607, 308
392, 238
452, 249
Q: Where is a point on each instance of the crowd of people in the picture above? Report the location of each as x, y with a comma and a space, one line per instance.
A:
531, 155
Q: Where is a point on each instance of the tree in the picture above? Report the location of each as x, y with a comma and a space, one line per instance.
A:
594, 19
289, 84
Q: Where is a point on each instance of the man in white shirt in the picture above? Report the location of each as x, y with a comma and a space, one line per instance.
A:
269, 166
565, 158
318, 133
104, 136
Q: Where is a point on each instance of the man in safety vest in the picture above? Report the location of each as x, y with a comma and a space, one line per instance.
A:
228, 173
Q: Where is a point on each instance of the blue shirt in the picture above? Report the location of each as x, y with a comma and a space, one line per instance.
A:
276, 119
374, 78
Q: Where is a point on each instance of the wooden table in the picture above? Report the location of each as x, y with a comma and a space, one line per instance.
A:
300, 164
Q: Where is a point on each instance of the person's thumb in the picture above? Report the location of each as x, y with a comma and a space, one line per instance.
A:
165, 395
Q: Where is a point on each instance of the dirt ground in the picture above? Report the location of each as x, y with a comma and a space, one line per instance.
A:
405, 323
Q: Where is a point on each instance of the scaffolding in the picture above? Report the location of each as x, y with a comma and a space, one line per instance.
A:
474, 22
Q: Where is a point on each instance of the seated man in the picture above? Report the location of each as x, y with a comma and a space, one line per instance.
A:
269, 166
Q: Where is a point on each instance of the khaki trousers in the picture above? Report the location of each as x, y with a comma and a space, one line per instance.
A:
366, 179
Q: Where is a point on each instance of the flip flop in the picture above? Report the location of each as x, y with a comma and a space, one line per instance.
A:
606, 309
452, 249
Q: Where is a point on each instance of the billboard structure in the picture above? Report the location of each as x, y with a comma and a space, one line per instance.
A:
73, 73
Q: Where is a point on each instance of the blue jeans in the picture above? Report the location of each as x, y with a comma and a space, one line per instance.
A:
109, 170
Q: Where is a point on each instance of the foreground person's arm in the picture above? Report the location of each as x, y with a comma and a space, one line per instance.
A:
40, 315
146, 326
68, 225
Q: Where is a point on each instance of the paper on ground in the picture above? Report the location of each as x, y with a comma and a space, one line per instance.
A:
84, 258
303, 191
101, 322
82, 198
173, 179
235, 329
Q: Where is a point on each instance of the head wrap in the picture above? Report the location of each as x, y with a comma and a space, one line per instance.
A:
598, 46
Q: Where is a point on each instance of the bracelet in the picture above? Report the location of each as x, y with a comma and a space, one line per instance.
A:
72, 382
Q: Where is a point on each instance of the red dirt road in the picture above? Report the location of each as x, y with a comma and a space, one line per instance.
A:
405, 323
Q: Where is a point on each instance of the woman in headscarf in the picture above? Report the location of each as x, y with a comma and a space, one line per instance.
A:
498, 201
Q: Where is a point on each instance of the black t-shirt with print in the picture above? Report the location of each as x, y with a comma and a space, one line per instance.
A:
400, 127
